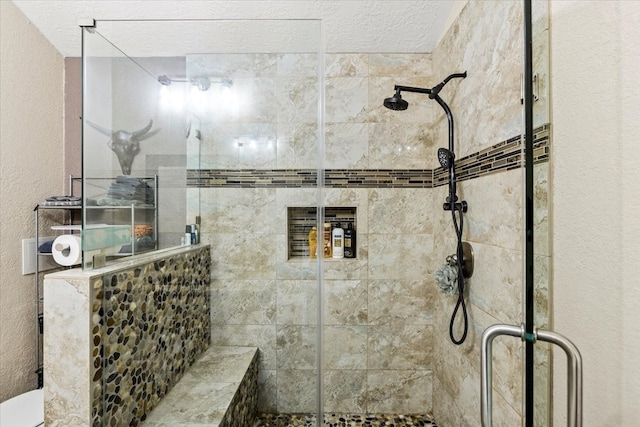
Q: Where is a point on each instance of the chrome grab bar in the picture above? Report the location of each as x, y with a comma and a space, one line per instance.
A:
574, 362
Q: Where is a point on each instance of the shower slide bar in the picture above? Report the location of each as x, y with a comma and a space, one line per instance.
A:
574, 364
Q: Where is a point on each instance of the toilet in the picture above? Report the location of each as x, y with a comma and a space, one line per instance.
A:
25, 410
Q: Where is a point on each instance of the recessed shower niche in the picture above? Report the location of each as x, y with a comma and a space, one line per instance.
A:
301, 220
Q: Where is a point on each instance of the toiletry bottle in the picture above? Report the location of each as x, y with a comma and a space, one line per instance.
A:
193, 235
313, 242
196, 230
349, 241
187, 235
326, 234
337, 238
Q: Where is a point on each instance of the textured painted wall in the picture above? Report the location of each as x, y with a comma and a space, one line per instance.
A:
31, 99
596, 181
73, 119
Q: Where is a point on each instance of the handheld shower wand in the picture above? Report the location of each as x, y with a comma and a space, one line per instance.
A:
446, 159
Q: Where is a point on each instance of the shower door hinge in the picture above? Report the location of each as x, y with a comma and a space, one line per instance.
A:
536, 88
87, 22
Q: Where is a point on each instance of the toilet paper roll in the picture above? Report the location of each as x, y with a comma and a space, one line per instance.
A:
67, 250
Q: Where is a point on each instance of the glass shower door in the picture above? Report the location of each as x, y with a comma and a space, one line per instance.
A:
536, 328
237, 128
256, 110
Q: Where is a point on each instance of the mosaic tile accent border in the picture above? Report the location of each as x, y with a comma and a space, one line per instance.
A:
150, 323
378, 178
503, 156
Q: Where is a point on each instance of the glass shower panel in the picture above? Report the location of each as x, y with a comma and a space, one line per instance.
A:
228, 118
136, 134
255, 110
542, 252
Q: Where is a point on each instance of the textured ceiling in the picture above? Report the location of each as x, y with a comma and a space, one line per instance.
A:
348, 25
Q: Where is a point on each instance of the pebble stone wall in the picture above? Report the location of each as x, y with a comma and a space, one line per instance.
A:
242, 410
149, 324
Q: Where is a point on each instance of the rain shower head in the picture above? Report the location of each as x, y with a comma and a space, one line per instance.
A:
396, 102
445, 157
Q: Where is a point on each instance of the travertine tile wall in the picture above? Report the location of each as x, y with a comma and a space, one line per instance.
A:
378, 307
486, 40
386, 344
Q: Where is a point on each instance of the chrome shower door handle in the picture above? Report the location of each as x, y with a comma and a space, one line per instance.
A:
574, 375
486, 370
574, 363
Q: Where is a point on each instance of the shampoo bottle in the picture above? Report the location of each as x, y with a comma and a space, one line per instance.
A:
349, 241
326, 234
337, 245
313, 242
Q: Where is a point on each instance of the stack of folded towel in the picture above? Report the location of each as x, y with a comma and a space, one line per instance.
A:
62, 201
131, 189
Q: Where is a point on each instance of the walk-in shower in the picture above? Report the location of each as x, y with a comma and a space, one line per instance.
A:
446, 157
339, 339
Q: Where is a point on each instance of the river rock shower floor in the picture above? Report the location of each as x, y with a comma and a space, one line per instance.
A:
345, 420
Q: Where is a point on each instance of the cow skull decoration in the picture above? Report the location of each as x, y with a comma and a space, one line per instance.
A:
126, 145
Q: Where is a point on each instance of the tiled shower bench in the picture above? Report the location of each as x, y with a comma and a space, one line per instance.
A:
218, 390
129, 343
